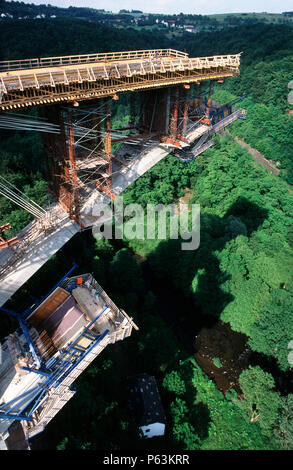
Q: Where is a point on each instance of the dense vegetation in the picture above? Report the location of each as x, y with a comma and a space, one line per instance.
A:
245, 247
241, 274
143, 20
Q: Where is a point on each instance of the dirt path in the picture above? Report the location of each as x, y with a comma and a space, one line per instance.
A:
257, 156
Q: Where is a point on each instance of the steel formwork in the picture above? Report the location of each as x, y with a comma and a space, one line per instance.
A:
47, 81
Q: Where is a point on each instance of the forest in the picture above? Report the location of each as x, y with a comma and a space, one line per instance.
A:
241, 275
142, 20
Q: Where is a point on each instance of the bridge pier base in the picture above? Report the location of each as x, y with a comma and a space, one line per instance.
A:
61, 172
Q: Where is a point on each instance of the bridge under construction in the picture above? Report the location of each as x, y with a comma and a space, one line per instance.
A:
34, 82
89, 161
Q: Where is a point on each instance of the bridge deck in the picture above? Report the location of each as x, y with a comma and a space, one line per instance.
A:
33, 257
44, 81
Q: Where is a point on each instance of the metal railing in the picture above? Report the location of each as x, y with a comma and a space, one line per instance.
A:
66, 73
18, 64
88, 58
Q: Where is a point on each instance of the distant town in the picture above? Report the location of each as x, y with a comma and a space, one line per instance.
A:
191, 23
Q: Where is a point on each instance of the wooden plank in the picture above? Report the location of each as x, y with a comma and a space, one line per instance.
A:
48, 306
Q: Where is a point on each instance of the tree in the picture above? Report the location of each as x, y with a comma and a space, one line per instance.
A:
173, 383
125, 278
283, 429
104, 249
183, 431
273, 331
260, 401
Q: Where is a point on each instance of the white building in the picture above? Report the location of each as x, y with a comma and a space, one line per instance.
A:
145, 404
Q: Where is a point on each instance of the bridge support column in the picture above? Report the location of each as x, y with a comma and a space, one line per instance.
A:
96, 123
173, 128
132, 109
185, 113
206, 119
58, 173
74, 209
168, 105
142, 106
106, 184
200, 95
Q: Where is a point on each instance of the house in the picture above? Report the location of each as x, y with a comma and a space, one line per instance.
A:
144, 402
6, 15
190, 28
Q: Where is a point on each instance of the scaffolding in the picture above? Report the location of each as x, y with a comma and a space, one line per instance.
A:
36, 82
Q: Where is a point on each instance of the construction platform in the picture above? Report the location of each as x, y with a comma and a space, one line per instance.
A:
56, 340
45, 81
85, 170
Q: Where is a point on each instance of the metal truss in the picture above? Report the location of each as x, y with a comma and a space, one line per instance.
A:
60, 81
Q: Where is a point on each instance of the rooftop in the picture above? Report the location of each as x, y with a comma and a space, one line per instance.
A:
144, 400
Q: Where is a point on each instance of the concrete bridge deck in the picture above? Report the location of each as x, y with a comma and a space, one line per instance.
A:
21, 261
36, 82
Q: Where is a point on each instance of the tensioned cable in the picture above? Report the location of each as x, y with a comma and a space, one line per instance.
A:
21, 192
23, 122
19, 203
19, 198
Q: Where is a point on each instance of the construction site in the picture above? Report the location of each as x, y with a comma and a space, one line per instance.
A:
88, 164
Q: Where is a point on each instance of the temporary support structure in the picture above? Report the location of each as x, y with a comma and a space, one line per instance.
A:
47, 81
64, 333
106, 184
6, 243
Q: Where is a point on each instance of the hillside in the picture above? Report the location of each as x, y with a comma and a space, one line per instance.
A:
142, 20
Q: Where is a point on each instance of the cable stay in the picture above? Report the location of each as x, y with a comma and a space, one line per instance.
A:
27, 123
19, 198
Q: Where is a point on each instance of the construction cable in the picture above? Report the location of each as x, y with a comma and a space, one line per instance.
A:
23, 202
19, 203
22, 193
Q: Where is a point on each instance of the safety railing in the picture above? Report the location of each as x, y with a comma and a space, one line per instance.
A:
88, 58
18, 64
36, 78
